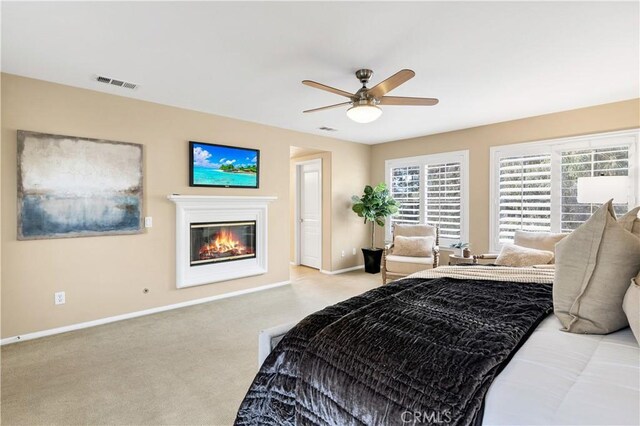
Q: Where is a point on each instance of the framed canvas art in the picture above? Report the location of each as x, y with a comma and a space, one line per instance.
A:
77, 187
223, 166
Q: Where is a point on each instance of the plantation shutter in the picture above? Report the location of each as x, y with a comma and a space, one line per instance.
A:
405, 189
609, 161
443, 198
525, 195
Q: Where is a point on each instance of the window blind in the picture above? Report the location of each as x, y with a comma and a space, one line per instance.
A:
443, 198
534, 185
431, 189
609, 161
405, 189
524, 195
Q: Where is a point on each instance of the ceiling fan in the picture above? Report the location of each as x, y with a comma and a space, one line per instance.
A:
364, 103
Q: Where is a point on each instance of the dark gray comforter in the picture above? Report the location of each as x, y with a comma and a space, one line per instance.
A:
413, 352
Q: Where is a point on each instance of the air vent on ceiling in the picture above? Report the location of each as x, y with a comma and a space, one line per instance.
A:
327, 129
113, 81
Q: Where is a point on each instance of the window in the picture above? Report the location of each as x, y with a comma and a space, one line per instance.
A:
534, 185
609, 161
431, 189
525, 195
405, 188
444, 198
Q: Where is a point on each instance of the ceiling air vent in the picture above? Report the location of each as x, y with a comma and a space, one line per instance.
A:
113, 81
327, 129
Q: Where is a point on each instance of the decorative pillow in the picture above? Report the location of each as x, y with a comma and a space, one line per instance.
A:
631, 222
538, 240
631, 306
413, 246
513, 255
593, 267
414, 230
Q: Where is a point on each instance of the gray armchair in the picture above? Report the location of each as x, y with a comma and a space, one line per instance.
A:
395, 266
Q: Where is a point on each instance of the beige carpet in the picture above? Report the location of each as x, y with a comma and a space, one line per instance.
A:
184, 367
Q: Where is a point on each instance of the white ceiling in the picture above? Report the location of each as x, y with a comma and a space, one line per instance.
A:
486, 62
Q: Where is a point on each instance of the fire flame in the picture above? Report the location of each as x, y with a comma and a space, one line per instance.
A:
225, 243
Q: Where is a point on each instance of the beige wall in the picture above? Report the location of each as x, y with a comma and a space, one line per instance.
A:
105, 276
347, 230
478, 140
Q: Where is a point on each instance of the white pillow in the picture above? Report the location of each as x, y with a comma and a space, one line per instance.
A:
513, 255
413, 246
631, 306
538, 240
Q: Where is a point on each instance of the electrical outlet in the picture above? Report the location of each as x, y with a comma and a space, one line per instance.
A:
148, 222
342, 253
59, 298
353, 251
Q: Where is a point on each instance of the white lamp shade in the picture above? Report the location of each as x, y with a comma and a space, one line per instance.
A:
364, 113
600, 189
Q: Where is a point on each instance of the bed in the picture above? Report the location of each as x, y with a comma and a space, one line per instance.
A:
331, 369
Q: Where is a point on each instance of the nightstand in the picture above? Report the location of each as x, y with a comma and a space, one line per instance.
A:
456, 259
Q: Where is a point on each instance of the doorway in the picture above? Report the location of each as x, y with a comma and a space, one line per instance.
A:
308, 217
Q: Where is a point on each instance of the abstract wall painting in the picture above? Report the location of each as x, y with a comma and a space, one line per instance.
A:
77, 187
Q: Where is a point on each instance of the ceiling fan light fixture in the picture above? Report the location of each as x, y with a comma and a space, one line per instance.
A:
364, 103
364, 113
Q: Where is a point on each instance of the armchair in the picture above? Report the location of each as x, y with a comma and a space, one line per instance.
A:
398, 266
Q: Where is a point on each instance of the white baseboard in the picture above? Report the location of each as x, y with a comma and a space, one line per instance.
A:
101, 321
342, 271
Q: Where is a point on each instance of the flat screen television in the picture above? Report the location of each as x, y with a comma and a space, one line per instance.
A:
223, 166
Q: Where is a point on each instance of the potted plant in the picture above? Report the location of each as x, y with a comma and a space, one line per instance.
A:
464, 248
374, 206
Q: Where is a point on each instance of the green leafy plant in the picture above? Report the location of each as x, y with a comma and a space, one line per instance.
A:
459, 245
374, 206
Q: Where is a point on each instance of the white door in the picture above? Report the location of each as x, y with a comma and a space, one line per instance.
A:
310, 213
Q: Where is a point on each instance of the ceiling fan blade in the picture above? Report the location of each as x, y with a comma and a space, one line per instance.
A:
391, 83
327, 88
400, 100
327, 107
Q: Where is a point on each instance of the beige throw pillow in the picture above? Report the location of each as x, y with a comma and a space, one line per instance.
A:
631, 306
631, 222
593, 267
513, 255
414, 230
538, 240
413, 246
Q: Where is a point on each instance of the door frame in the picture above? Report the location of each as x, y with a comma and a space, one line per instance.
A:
298, 191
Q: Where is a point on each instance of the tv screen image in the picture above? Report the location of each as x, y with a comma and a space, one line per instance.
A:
223, 166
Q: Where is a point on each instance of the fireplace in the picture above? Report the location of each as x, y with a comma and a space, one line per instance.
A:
222, 242
220, 238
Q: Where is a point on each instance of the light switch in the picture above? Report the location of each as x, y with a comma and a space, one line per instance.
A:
148, 222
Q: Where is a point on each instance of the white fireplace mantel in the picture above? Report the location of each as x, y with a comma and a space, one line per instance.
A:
215, 208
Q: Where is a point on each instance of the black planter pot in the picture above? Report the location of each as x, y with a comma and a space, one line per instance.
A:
372, 258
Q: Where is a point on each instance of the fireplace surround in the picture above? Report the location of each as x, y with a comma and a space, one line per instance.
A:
219, 238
